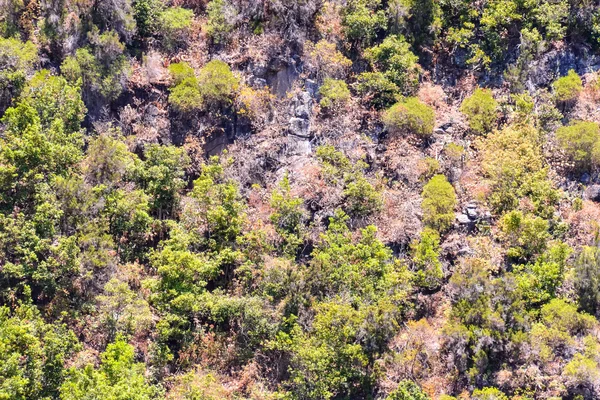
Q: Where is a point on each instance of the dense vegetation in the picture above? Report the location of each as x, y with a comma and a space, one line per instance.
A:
281, 199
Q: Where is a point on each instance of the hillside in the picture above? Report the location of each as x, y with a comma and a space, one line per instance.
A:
299, 199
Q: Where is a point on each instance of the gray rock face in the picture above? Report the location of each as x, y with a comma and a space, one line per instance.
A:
593, 193
472, 215
299, 127
312, 88
299, 132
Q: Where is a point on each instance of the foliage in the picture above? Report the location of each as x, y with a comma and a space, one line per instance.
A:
513, 162
174, 26
17, 60
33, 354
217, 211
410, 116
288, 216
377, 90
587, 279
219, 20
426, 258
439, 201
361, 198
217, 83
334, 94
185, 93
101, 68
396, 61
146, 13
488, 393
362, 21
567, 88
118, 377
580, 141
526, 235
326, 60
408, 390
161, 176
481, 110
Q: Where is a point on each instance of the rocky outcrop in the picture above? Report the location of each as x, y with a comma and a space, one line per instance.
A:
593, 193
472, 216
299, 129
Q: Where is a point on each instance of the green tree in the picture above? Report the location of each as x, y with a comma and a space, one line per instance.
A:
162, 177
567, 88
17, 61
408, 390
587, 279
219, 14
426, 257
101, 68
217, 213
288, 216
33, 354
488, 393
376, 90
119, 377
217, 83
581, 142
174, 26
481, 110
334, 94
362, 20
439, 201
526, 235
396, 61
410, 116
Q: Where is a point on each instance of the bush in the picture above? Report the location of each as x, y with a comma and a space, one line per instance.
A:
580, 141
180, 72
118, 376
408, 390
481, 110
587, 279
217, 82
426, 257
397, 62
102, 68
488, 393
174, 26
220, 14
17, 60
410, 116
334, 93
525, 235
146, 14
567, 88
514, 163
362, 20
375, 89
439, 201
185, 95
325, 60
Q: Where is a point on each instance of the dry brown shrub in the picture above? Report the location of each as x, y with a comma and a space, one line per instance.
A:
586, 108
329, 22
585, 224
415, 355
256, 105
398, 221
324, 59
434, 96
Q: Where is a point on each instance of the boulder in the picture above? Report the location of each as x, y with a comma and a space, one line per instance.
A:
593, 193
299, 127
